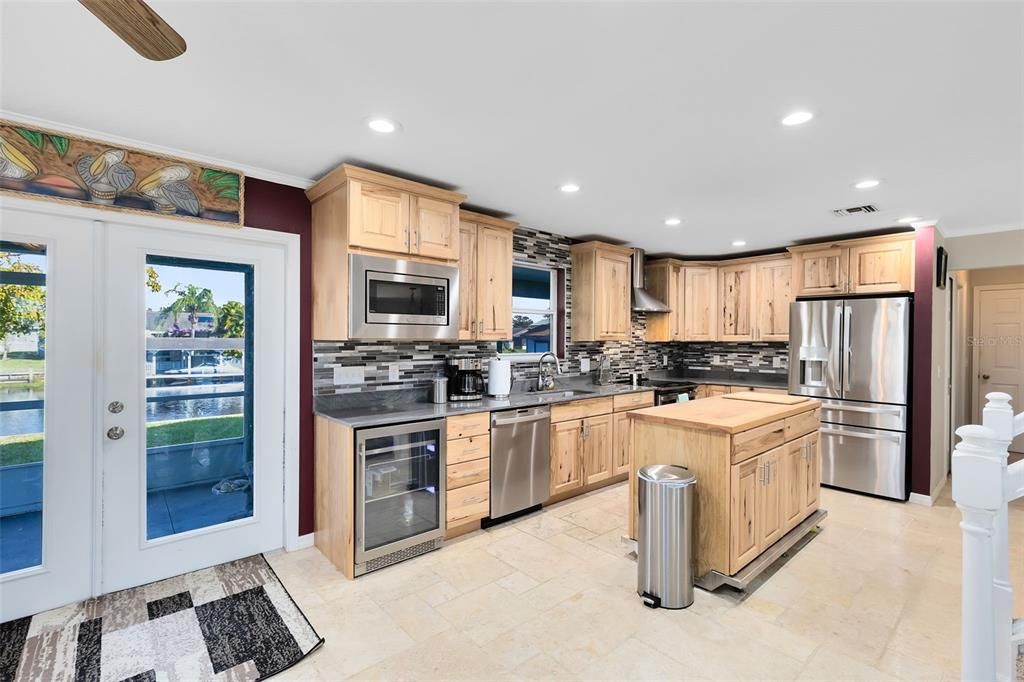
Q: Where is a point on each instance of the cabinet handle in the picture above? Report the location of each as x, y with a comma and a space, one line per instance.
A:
760, 473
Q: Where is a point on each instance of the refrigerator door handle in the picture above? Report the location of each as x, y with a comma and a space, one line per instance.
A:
847, 322
833, 361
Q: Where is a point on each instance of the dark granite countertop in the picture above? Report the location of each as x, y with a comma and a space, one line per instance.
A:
728, 378
380, 408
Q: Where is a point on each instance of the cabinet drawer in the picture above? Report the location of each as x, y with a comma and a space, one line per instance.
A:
468, 503
466, 449
463, 425
805, 422
468, 473
746, 444
633, 401
581, 409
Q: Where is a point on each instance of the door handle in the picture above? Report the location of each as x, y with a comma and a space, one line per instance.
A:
855, 434
985, 377
115, 433
521, 420
115, 407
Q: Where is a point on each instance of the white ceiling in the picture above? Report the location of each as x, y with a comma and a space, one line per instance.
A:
655, 109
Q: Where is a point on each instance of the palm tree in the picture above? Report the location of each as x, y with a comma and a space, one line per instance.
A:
192, 300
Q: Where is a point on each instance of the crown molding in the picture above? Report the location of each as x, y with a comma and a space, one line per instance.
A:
949, 232
249, 171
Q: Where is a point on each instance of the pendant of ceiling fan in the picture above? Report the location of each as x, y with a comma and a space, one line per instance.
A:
137, 24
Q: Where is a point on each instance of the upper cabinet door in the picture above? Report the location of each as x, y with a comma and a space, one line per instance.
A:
774, 294
467, 280
883, 266
435, 228
661, 281
736, 284
379, 218
821, 271
494, 284
700, 293
612, 294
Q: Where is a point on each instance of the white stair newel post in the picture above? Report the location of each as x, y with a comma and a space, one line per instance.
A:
998, 417
978, 492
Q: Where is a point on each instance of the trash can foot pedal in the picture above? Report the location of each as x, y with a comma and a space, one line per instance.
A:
651, 601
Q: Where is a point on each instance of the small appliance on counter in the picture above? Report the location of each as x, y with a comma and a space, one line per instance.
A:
439, 393
465, 380
499, 377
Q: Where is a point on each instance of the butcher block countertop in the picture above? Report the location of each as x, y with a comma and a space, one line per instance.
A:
721, 414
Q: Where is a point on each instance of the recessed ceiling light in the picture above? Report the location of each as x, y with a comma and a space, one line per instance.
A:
570, 187
382, 125
867, 183
797, 118
672, 221
909, 219
739, 242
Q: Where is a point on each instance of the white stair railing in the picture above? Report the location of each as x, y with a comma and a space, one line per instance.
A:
983, 486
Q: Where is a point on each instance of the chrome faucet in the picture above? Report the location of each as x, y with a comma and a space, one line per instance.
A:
545, 380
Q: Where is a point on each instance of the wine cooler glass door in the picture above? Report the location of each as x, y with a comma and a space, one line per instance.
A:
400, 489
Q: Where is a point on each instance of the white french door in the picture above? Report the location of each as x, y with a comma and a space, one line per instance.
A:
46, 427
193, 402
147, 392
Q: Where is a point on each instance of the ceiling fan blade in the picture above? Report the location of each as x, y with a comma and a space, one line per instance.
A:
139, 26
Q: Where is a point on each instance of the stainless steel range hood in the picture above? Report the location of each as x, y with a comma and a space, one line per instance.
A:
642, 301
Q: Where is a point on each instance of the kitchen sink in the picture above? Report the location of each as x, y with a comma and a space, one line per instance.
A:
568, 393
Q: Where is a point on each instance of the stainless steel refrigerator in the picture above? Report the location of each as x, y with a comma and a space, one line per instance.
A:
854, 355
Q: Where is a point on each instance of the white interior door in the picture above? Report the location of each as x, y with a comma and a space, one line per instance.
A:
46, 430
999, 330
193, 401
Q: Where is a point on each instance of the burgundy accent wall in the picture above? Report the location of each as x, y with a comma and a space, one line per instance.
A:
281, 208
921, 385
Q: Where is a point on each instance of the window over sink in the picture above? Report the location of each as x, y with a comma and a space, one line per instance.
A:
536, 319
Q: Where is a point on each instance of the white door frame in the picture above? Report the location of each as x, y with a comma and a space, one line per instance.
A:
290, 242
977, 402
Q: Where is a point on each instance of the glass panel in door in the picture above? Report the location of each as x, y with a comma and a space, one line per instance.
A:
199, 388
401, 487
22, 382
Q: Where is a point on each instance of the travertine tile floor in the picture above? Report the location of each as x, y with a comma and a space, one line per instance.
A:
552, 596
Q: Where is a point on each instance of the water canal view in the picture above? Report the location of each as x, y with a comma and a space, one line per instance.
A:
198, 449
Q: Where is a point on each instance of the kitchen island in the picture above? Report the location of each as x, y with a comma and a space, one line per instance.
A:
755, 456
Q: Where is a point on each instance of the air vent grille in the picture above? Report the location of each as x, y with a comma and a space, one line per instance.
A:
853, 210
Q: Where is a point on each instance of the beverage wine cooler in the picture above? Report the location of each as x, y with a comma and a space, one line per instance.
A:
400, 493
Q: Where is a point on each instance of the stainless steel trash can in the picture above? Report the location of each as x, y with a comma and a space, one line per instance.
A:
665, 536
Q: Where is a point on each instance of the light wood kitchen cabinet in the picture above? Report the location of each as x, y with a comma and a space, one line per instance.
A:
566, 456
601, 292
770, 502
700, 303
811, 497
485, 277
467, 280
434, 228
881, 266
379, 217
494, 284
467, 472
820, 270
773, 294
856, 266
622, 446
736, 298
356, 210
794, 482
598, 439
664, 281
744, 541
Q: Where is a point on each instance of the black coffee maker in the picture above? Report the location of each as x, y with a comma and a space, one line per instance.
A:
465, 380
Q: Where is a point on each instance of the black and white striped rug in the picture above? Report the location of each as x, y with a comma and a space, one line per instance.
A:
235, 622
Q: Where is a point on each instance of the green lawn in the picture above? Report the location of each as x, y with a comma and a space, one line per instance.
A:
29, 448
11, 364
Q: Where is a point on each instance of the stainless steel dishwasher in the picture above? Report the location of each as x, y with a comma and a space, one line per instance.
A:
520, 460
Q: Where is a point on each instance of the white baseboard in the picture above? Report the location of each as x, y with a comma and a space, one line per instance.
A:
301, 542
923, 500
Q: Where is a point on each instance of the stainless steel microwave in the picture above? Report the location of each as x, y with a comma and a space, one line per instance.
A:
402, 299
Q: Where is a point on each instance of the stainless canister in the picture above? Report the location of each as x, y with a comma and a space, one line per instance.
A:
440, 394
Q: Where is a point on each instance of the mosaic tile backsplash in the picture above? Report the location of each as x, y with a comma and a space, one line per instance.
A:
382, 365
